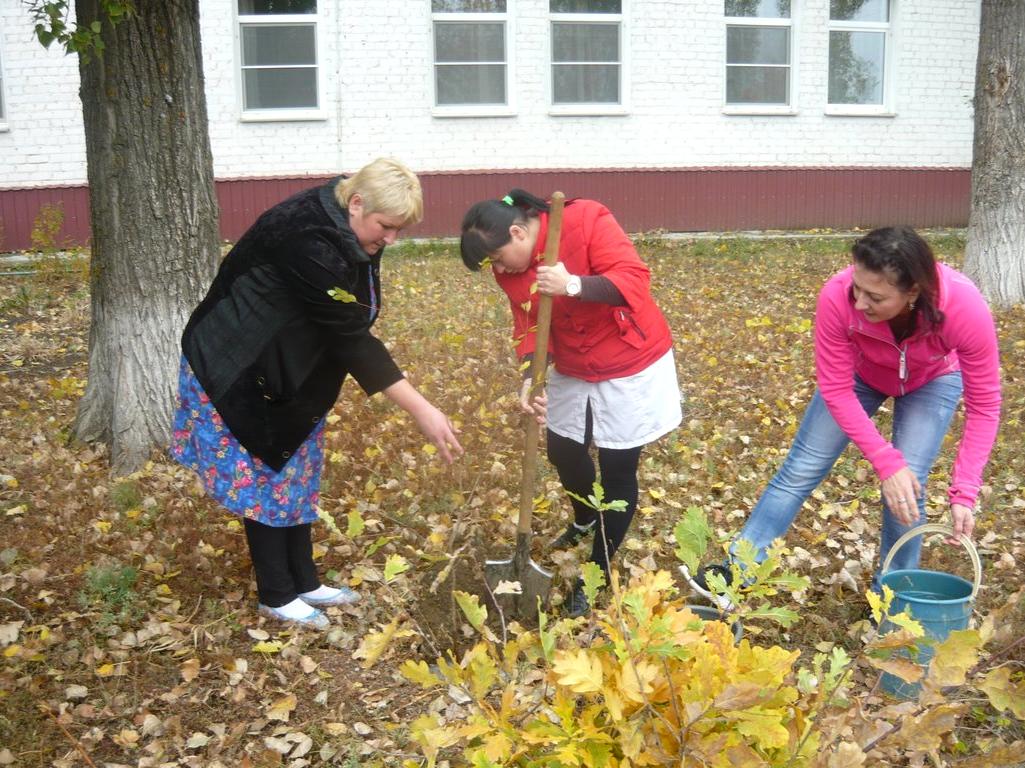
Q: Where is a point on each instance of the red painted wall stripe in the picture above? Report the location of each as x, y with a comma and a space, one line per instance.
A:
675, 200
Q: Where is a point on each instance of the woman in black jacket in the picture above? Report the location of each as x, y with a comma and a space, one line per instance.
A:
286, 319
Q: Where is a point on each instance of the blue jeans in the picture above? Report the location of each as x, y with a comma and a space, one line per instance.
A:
920, 421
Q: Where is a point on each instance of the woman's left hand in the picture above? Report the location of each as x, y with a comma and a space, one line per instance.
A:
551, 281
963, 519
900, 492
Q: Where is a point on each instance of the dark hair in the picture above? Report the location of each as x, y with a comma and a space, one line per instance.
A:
907, 257
486, 224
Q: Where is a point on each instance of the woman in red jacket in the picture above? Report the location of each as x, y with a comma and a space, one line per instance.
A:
614, 379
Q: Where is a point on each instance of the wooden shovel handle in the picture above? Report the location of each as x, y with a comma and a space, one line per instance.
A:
538, 366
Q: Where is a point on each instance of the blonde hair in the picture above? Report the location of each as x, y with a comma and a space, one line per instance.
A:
387, 187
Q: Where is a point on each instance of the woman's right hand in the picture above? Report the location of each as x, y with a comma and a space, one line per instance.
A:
900, 492
538, 408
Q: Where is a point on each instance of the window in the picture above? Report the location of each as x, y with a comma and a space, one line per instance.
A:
470, 62
758, 70
859, 32
3, 105
278, 52
586, 51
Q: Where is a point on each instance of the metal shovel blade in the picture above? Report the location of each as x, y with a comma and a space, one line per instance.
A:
535, 582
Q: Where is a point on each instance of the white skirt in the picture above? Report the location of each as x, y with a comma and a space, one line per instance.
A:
625, 413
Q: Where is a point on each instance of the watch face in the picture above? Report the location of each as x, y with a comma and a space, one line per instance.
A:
573, 286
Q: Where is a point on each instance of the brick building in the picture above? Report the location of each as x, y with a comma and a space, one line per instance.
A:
680, 114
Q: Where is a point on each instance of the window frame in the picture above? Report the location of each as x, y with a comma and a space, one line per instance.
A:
474, 110
885, 107
4, 104
279, 114
622, 107
753, 108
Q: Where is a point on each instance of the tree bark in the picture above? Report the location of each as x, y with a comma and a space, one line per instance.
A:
995, 252
154, 220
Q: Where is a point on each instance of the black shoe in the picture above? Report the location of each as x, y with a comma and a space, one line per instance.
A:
577, 604
571, 536
699, 583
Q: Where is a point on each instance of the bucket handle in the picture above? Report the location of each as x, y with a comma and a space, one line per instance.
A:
966, 542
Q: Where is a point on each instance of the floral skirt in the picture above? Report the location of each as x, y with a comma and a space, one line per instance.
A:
240, 482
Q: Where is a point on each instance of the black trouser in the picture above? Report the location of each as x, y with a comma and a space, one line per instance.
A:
618, 479
283, 561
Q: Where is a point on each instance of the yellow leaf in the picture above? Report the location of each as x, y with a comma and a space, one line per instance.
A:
103, 526
1002, 693
926, 733
636, 681
418, 672
957, 654
105, 670
12, 650
268, 646
578, 670
375, 644
765, 726
281, 709
429, 449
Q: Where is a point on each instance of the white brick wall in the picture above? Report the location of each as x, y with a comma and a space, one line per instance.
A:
376, 70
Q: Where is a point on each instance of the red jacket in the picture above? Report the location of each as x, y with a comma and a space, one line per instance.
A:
590, 340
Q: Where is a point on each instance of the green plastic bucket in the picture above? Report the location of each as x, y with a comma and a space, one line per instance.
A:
940, 602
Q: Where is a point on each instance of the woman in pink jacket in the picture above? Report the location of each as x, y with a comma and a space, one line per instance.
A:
896, 323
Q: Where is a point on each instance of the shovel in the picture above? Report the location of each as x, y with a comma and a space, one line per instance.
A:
534, 580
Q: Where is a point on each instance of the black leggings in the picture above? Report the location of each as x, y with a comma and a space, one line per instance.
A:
618, 478
283, 561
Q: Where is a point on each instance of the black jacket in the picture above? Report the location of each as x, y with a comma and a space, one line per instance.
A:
270, 346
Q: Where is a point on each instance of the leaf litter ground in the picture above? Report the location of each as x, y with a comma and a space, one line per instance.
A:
128, 630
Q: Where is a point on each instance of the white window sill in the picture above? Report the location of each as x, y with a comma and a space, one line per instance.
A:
4, 127
784, 110
282, 115
856, 111
585, 110
474, 110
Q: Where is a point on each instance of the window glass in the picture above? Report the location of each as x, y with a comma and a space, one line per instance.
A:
475, 84
280, 88
468, 6
459, 42
585, 42
758, 45
856, 62
585, 6
270, 45
859, 10
584, 84
254, 7
758, 85
765, 9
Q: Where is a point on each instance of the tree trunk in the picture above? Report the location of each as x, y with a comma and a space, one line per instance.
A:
154, 220
995, 253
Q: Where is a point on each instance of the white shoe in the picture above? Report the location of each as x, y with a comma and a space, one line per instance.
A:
314, 619
323, 596
699, 585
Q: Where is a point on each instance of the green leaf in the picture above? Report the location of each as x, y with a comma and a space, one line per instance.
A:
782, 616
356, 524
594, 580
692, 533
96, 27
474, 612
378, 543
341, 295
395, 565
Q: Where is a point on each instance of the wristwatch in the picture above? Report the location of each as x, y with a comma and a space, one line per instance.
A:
573, 286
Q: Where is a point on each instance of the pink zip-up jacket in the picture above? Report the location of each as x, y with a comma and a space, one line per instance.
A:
846, 343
